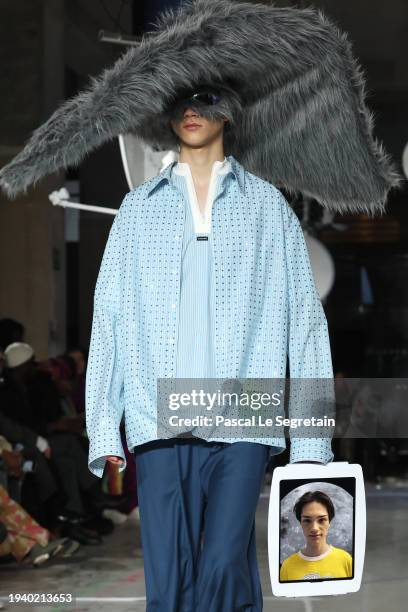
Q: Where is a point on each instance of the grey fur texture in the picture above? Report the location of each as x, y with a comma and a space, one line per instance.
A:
293, 92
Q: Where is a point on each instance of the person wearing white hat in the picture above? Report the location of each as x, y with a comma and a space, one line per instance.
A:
18, 353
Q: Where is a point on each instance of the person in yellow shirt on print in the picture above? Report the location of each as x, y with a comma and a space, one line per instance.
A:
315, 510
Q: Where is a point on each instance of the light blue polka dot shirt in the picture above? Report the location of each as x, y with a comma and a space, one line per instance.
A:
169, 305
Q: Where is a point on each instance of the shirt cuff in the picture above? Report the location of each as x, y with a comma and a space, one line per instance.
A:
308, 461
97, 459
311, 449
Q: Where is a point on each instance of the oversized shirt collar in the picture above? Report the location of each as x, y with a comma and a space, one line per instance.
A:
218, 167
235, 170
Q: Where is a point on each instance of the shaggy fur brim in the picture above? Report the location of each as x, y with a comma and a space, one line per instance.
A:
298, 111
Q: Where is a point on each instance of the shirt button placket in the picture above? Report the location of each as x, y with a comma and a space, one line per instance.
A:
176, 279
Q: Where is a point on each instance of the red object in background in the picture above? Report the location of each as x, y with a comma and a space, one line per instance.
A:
123, 483
113, 479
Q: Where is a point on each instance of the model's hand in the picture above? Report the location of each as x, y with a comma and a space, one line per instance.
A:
114, 459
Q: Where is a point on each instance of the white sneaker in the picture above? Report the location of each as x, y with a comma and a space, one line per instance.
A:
134, 515
117, 518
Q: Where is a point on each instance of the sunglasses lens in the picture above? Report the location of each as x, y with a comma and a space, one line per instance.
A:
209, 99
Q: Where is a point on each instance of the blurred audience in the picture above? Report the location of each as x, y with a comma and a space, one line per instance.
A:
44, 477
43, 447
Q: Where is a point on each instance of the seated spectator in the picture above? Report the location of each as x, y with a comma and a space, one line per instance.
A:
10, 467
24, 540
39, 406
30, 396
45, 498
68, 373
63, 373
80, 358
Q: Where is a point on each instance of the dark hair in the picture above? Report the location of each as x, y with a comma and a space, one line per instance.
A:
10, 331
314, 496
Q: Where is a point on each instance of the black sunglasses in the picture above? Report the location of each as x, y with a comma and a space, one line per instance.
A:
203, 97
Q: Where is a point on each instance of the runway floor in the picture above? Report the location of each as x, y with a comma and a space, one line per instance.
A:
110, 576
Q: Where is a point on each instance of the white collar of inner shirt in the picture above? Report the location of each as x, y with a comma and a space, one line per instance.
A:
219, 167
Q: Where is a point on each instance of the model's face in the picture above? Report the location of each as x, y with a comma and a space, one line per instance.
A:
315, 522
196, 131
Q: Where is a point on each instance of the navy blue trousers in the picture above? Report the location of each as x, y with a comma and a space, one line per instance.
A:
197, 504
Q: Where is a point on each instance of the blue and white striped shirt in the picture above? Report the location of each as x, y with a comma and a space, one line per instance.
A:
266, 306
195, 344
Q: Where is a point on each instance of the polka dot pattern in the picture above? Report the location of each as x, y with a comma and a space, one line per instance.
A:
266, 308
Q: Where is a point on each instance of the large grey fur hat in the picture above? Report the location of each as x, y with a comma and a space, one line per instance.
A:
293, 93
